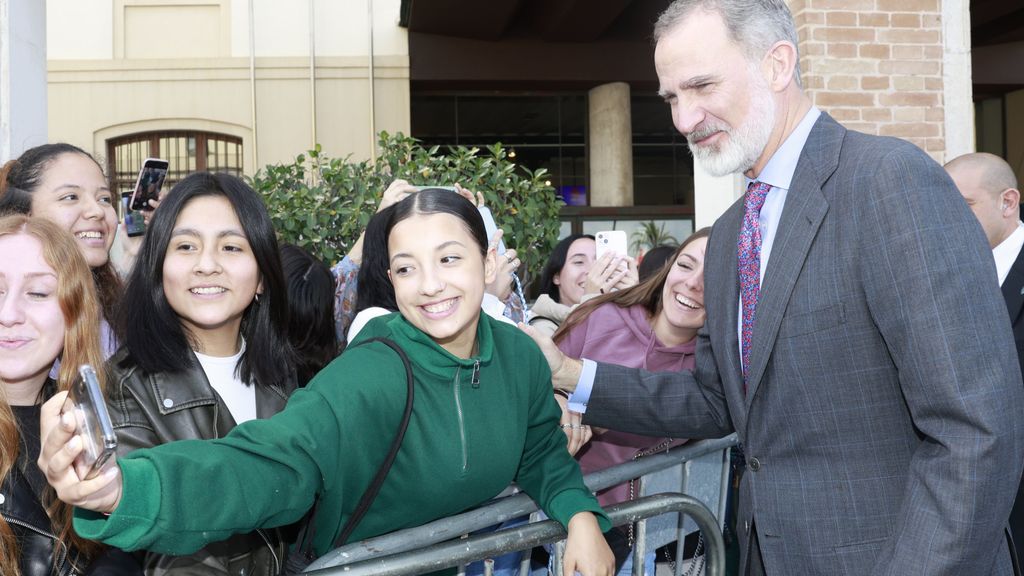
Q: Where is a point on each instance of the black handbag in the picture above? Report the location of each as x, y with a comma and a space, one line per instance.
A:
303, 555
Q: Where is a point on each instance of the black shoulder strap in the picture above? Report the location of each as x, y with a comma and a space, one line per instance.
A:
303, 555
378, 480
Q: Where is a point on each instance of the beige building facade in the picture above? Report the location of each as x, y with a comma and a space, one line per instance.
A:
254, 82
275, 76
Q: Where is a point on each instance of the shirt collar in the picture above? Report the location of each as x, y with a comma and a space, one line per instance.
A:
782, 165
1006, 252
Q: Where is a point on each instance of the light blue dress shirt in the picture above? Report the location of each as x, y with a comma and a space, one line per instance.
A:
779, 174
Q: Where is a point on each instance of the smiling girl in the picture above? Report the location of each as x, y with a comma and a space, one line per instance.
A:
483, 416
653, 326
206, 349
48, 308
66, 186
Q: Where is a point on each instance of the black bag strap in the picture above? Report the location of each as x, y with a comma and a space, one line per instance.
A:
303, 555
378, 480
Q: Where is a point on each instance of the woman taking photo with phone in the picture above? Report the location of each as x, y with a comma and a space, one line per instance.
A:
48, 308
572, 275
66, 186
206, 348
482, 415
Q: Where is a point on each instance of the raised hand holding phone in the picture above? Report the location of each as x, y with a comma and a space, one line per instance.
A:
61, 446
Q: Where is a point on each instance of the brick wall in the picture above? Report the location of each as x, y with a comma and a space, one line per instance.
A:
876, 65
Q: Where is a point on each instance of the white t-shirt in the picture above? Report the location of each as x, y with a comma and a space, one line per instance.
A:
239, 396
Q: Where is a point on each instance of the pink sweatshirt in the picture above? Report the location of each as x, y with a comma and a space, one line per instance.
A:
622, 336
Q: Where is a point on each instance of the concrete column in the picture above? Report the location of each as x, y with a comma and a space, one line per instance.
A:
957, 91
712, 195
611, 145
22, 76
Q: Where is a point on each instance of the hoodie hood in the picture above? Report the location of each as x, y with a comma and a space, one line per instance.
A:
423, 352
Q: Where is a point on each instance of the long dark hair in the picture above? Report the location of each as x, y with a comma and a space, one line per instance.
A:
375, 289
23, 175
556, 261
646, 293
156, 338
310, 310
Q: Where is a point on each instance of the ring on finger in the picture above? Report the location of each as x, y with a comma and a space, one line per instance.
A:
566, 426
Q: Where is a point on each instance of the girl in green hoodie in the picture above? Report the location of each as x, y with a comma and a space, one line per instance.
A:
483, 416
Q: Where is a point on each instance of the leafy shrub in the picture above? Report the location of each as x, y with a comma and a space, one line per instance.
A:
323, 204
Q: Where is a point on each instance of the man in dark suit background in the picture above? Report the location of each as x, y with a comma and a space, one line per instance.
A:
989, 186
852, 339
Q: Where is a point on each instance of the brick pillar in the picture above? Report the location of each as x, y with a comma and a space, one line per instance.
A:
876, 66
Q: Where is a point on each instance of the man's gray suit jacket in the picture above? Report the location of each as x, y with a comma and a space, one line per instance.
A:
882, 423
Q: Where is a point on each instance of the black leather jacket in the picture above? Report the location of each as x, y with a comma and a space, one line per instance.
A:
151, 409
23, 512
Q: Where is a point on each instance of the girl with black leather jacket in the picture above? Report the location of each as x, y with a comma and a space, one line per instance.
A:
205, 316
48, 308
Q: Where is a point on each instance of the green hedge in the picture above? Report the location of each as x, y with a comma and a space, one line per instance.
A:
322, 204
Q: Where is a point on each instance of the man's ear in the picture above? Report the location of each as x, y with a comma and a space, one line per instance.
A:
1010, 199
782, 62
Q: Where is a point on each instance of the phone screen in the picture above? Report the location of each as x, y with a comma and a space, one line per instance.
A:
147, 186
134, 222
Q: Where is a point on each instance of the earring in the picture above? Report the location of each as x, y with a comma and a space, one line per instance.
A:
257, 297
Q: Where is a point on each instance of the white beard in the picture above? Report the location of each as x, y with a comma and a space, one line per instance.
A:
743, 145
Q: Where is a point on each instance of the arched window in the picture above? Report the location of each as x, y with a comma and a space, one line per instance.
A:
187, 151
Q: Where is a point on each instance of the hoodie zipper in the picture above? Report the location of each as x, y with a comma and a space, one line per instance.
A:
58, 558
462, 422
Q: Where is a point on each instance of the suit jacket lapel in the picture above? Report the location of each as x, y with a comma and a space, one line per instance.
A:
1013, 287
802, 215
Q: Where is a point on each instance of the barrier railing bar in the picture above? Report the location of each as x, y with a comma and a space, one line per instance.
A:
500, 510
453, 553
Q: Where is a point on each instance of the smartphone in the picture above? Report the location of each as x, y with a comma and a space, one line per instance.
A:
134, 223
611, 241
148, 184
490, 227
85, 401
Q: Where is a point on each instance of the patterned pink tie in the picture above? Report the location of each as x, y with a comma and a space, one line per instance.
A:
749, 252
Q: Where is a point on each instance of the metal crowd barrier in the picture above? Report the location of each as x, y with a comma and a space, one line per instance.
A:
441, 544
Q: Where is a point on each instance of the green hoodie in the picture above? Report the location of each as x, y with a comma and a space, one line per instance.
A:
477, 424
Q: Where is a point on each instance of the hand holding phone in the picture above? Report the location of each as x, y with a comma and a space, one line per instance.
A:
92, 421
148, 184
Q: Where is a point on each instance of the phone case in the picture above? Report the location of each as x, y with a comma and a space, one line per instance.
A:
93, 422
148, 184
611, 241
